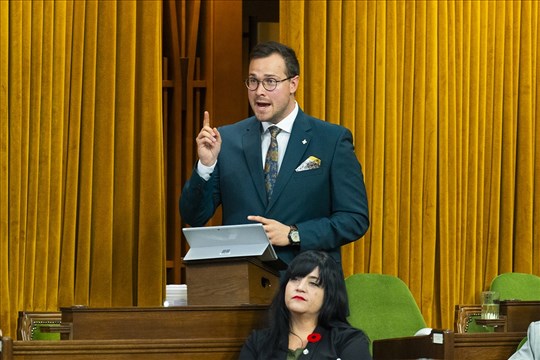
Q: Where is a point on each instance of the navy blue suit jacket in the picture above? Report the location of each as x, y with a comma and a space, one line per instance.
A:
328, 204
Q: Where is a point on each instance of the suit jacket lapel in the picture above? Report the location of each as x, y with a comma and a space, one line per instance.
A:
296, 148
252, 151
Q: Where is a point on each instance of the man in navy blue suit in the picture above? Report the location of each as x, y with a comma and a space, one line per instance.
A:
318, 197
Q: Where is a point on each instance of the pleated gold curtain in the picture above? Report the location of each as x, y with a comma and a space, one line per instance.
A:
82, 202
442, 98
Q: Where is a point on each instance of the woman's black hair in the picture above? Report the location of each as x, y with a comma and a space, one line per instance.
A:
334, 310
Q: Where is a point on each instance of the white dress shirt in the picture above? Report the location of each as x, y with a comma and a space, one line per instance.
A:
282, 138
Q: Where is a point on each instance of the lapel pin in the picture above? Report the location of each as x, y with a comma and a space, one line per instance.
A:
304, 141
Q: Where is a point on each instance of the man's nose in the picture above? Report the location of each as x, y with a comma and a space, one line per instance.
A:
260, 89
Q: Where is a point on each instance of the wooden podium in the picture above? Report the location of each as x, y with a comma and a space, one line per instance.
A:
233, 281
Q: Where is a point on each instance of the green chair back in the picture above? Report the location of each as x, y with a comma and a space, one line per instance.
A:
382, 306
465, 319
517, 286
30, 324
37, 334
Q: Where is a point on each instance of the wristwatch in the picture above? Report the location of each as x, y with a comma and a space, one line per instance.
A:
294, 236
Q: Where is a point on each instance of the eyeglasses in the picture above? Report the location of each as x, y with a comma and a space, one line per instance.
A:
269, 84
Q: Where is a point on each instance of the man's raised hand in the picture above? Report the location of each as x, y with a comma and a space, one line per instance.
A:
208, 142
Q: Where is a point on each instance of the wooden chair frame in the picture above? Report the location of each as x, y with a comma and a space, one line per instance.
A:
466, 314
47, 322
463, 316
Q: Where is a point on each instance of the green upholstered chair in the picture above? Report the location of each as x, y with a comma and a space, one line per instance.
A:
517, 286
382, 306
473, 327
30, 325
465, 320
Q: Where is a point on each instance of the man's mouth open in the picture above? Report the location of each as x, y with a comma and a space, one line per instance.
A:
262, 105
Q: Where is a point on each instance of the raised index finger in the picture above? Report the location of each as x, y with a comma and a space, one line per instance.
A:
206, 119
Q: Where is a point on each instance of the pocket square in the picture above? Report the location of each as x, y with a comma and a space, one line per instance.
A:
310, 163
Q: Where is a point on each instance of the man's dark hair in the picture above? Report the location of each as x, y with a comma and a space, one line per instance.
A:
268, 48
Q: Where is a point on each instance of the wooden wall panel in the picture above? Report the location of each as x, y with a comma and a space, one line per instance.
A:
203, 55
228, 92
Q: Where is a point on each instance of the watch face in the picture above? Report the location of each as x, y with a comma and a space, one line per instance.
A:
295, 238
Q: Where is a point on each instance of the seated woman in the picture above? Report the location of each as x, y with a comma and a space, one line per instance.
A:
309, 316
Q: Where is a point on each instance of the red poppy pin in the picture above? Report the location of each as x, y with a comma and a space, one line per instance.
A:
313, 338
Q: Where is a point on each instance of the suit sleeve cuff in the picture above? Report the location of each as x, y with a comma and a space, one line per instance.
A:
205, 171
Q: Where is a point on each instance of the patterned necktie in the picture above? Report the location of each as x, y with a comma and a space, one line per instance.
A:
271, 163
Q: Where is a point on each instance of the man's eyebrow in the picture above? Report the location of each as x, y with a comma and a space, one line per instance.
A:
265, 76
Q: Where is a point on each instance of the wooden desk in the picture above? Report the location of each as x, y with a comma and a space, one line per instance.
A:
182, 322
183, 333
147, 349
485, 346
519, 314
515, 316
437, 345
